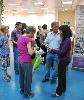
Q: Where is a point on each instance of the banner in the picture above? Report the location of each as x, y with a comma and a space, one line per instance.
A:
78, 57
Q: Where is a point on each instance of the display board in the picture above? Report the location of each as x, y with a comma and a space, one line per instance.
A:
78, 57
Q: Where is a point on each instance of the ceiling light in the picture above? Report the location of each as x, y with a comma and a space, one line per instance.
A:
44, 8
38, 3
67, 2
13, 4
25, 9
31, 12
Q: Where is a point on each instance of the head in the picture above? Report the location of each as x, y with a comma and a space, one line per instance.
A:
55, 26
30, 31
44, 26
18, 25
39, 27
4, 29
65, 31
24, 25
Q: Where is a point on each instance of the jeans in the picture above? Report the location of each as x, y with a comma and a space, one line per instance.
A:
25, 77
52, 61
15, 51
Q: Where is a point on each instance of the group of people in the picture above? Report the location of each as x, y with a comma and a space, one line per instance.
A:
58, 45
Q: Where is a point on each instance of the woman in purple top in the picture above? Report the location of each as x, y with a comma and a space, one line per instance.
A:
64, 56
25, 52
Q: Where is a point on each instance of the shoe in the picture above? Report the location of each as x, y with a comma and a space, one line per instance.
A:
55, 95
45, 80
30, 95
52, 81
6, 78
21, 92
9, 76
16, 72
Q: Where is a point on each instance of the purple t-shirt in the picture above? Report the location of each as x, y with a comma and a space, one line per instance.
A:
23, 55
15, 34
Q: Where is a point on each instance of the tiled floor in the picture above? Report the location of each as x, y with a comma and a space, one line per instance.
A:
75, 86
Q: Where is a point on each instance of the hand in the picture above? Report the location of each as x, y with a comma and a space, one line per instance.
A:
49, 49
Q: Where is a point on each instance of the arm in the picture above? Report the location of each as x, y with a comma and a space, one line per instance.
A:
13, 38
66, 45
30, 50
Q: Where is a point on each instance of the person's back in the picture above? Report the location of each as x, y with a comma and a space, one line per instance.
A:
23, 55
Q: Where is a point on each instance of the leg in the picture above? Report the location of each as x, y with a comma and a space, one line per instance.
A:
8, 64
21, 77
6, 76
27, 78
48, 66
61, 77
55, 68
15, 51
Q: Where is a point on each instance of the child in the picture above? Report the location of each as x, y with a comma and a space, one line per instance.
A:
5, 51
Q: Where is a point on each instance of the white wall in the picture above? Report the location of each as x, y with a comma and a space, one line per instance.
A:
31, 19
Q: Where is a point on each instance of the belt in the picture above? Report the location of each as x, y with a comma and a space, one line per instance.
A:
52, 51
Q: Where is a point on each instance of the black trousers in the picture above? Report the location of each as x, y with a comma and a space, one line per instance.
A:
62, 76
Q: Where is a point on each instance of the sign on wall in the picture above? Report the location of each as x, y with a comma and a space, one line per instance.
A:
78, 58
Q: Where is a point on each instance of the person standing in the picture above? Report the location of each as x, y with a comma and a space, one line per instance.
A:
53, 41
5, 51
25, 52
14, 36
64, 58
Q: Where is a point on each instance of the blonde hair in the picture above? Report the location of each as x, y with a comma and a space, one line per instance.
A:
3, 27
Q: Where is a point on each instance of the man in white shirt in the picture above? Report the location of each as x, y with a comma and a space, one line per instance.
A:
53, 41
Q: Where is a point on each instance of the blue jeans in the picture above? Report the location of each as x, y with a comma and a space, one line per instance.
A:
15, 51
52, 61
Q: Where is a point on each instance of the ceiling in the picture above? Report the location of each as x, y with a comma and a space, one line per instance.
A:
37, 6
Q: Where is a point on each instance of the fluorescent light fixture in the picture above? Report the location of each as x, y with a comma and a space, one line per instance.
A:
67, 2
13, 4
31, 12
25, 9
44, 8
38, 3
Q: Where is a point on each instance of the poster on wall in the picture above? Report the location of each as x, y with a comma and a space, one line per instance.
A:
78, 57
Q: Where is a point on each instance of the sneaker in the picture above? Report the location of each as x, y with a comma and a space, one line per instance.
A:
9, 76
55, 95
52, 81
45, 80
6, 78
21, 92
16, 72
30, 95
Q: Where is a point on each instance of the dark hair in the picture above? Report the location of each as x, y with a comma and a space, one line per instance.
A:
54, 23
17, 23
30, 29
24, 25
44, 26
67, 33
